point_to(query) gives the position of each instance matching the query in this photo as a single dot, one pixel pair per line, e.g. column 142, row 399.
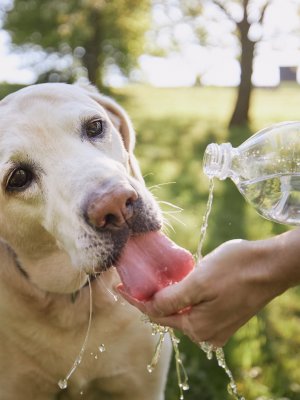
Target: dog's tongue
column 150, row 262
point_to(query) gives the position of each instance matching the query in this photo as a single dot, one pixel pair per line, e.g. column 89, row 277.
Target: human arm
column 228, row 287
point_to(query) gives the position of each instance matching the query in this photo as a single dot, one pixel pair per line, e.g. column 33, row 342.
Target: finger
column 183, row 323
column 174, row 321
column 175, row 298
column 219, row 341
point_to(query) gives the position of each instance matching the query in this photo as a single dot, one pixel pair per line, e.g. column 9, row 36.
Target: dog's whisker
column 149, row 174
column 79, row 282
column 171, row 212
column 179, row 209
column 171, row 215
column 167, row 226
column 167, row 230
column 159, row 185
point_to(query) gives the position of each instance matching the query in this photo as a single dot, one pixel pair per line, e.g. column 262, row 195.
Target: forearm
column 282, row 259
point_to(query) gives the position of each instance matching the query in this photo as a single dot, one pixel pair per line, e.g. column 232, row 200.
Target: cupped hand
column 225, row 290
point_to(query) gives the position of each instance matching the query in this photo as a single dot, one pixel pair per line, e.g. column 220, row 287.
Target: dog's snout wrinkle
column 111, row 209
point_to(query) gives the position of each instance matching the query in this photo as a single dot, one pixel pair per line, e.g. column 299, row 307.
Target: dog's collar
column 25, row 275
column 16, row 260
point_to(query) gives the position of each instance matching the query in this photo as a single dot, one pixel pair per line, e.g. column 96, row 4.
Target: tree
column 235, row 24
column 102, row 32
column 243, row 25
column 241, row 16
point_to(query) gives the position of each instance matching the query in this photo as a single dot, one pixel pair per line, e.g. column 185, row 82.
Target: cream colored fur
column 45, row 257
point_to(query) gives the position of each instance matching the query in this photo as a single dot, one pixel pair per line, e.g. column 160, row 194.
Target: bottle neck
column 217, row 160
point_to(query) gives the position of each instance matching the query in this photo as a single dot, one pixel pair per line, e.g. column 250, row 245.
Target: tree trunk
column 240, row 114
column 92, row 59
column 91, row 63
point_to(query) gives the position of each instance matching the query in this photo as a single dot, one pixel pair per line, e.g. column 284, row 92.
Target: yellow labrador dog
column 71, row 194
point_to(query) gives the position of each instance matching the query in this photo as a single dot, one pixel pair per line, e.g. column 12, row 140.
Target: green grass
column 174, row 126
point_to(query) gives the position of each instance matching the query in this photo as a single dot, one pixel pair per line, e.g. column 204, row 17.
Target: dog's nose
column 111, row 208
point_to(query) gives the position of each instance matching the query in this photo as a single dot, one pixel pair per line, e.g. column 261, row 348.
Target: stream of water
column 208, row 348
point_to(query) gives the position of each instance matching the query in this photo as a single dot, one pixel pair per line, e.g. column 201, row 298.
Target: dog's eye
column 94, row 129
column 19, row 179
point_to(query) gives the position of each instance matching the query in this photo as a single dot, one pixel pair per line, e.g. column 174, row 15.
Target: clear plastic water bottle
column 265, row 169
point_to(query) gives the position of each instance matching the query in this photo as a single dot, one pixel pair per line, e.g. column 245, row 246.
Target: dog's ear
column 121, row 121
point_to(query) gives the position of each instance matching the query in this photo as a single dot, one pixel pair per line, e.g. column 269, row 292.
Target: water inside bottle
column 275, row 197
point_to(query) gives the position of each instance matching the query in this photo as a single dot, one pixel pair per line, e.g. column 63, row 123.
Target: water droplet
column 81, row 393
column 96, row 357
column 63, row 384
column 149, row 368
column 78, row 360
column 221, row 363
column 185, row 386
column 102, row 348
column 229, row 389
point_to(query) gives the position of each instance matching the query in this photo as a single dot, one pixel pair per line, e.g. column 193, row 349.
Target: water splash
column 161, row 331
column 63, row 383
column 102, row 348
column 182, row 378
column 208, row 348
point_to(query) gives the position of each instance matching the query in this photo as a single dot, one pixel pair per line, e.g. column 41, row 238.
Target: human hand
column 225, row 290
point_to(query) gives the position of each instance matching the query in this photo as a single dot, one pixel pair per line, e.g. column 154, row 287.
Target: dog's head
column 71, row 189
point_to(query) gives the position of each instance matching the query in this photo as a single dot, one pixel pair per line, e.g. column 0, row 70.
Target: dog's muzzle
column 111, row 206
column 115, row 211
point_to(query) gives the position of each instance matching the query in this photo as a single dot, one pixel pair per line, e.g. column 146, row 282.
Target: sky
column 217, row 66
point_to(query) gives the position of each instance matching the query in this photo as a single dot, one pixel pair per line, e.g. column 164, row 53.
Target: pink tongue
column 150, row 262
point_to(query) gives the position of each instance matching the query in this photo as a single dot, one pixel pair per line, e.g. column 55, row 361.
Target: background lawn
column 174, row 126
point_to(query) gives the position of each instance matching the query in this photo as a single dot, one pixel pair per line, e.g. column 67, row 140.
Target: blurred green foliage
column 173, row 128
column 96, row 34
